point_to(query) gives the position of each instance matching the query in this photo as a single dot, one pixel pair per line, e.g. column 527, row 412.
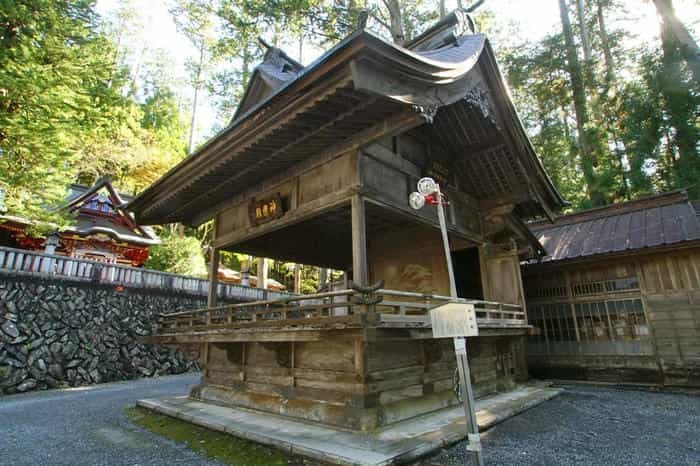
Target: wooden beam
column 281, row 150
column 213, row 277
column 359, row 241
column 402, row 121
column 244, row 135
column 308, row 210
column 452, row 229
column 231, row 337
column 497, row 204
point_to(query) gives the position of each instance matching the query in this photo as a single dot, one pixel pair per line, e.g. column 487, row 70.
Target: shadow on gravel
column 589, row 425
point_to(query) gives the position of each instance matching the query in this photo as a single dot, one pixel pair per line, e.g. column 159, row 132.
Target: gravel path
column 87, row 426
column 585, row 425
column 595, row 426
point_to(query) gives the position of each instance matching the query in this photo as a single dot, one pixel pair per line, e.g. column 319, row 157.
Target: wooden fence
column 393, row 308
column 21, row 262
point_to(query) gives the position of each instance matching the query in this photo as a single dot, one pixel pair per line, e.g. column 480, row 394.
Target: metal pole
column 446, row 244
column 474, row 456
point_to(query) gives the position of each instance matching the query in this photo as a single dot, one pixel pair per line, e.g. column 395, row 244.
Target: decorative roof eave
column 139, row 240
column 550, row 199
column 519, row 227
column 354, row 46
column 103, row 182
column 415, row 79
column 133, row 239
column 149, row 237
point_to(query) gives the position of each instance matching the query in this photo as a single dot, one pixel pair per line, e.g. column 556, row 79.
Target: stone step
column 400, row 442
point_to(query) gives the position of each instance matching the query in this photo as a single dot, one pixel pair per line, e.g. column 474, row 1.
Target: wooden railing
column 390, row 306
column 21, row 262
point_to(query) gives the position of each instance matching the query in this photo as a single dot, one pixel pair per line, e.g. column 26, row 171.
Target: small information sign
column 266, row 209
column 454, row 320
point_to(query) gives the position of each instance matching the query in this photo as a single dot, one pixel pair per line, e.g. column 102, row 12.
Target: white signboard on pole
column 454, row 320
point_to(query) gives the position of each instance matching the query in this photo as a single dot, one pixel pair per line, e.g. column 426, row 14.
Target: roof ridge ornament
column 362, row 18
column 264, row 43
column 272, row 54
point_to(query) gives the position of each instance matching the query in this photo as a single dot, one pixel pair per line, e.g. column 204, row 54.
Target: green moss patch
column 216, row 445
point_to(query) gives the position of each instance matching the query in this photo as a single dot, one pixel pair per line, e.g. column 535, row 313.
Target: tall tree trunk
column 683, row 139
column 301, row 45
column 588, row 158
column 443, row 11
column 585, row 41
column 197, row 83
column 609, row 105
column 688, row 47
column 247, row 58
column 137, row 70
column 605, row 44
column 395, row 21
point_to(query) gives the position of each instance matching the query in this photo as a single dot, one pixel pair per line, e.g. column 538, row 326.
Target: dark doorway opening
column 467, row 273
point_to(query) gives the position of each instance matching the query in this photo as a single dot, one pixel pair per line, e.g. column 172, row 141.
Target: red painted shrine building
column 102, row 229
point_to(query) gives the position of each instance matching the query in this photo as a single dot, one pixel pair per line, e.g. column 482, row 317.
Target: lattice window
column 554, row 321
column 592, row 321
column 627, row 319
column 605, row 320
column 622, row 284
column 608, row 286
column 546, row 292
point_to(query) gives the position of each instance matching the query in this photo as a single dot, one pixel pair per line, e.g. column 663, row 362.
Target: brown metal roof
column 654, row 221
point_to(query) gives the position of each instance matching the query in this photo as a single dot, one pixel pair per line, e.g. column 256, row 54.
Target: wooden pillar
column 262, row 273
column 572, row 305
column 297, row 278
column 322, row 278
column 213, row 277
column 245, row 271
column 359, row 241
column 484, row 271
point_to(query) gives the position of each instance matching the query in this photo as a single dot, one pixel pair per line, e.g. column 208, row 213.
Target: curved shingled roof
column 450, row 78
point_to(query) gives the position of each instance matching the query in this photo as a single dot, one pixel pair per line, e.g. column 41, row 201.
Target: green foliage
column 660, row 127
column 290, row 23
column 642, row 124
column 75, row 106
column 178, row 254
column 232, row 260
column 48, row 51
column 63, row 116
column 537, row 76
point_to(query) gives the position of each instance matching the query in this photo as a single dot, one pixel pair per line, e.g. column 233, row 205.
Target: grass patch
column 217, row 445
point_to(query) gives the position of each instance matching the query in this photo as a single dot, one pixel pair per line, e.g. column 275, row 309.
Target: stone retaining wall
column 55, row 333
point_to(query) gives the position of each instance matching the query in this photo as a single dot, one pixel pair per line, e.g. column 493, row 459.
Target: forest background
column 84, row 95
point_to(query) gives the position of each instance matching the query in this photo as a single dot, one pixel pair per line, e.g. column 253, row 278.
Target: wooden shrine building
column 316, row 168
column 101, row 229
column 617, row 298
